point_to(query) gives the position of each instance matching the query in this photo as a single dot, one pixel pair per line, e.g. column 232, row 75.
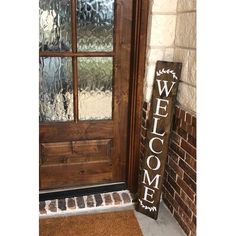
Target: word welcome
column 158, row 140
column 156, row 147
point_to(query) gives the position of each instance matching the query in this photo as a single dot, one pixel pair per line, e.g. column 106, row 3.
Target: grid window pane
column 55, row 89
column 95, row 88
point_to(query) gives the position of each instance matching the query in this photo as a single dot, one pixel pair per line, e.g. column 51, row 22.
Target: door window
column 76, row 60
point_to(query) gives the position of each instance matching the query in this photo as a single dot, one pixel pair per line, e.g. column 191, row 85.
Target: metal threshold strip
column 81, row 191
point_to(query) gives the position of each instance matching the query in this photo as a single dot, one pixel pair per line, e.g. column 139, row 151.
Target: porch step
column 86, row 204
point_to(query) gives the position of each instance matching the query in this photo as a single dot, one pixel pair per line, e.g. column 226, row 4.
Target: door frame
column 138, row 55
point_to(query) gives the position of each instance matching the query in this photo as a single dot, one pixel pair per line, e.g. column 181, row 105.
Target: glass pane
column 95, row 88
column 55, row 89
column 54, row 25
column 95, row 25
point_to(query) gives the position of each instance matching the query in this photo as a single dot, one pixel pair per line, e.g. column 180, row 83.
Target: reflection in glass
column 54, row 25
column 95, row 88
column 95, row 25
column 55, row 89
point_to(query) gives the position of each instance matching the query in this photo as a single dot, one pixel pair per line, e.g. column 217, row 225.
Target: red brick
column 186, row 188
column 185, row 217
column 182, row 133
column 53, row 206
column 173, row 184
column 188, row 118
column 187, row 169
column 192, row 234
column 171, row 200
column 194, row 220
column 191, row 140
column 181, row 223
column 172, row 155
column 184, row 126
column 193, row 132
column 98, row 199
column 107, row 198
column 191, row 161
column 194, row 121
column 176, row 124
column 125, row 197
column 90, row 201
column 189, row 129
column 71, row 203
column 177, row 150
column 176, row 168
column 171, row 172
column 169, row 188
column 168, row 204
column 188, row 148
column 188, row 202
column 175, row 137
column 177, row 112
column 182, row 114
column 189, row 182
column 117, row 198
column 80, row 202
column 183, row 206
column 42, row 209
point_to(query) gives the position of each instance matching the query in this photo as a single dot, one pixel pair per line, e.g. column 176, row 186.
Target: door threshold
column 81, row 191
column 93, row 203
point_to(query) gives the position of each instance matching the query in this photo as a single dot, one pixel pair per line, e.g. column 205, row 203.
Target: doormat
column 122, row 223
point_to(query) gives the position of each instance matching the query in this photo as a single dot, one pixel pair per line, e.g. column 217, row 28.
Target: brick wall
column 179, row 188
column 172, row 37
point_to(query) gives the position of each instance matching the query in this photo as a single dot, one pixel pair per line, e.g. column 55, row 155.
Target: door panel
column 90, row 146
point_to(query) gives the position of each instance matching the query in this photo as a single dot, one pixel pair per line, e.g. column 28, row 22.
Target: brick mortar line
column 189, row 144
column 187, row 206
column 189, row 167
column 183, row 161
column 181, row 107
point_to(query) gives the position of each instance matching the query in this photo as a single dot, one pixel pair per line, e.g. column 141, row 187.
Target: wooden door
column 84, row 82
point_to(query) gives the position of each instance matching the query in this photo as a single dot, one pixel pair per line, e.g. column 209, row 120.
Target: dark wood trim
column 74, row 59
column 73, row 25
column 75, row 54
column 141, row 10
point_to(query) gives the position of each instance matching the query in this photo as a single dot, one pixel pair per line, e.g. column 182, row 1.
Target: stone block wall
column 172, row 37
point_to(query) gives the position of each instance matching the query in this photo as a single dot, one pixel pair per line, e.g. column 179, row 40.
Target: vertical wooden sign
column 165, row 88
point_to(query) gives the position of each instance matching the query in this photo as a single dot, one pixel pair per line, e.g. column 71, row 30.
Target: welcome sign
column 158, row 131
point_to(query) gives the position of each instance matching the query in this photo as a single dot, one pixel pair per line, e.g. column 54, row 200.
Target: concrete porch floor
column 166, row 225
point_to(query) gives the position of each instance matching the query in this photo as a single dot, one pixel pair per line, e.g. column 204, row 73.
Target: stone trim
column 79, row 204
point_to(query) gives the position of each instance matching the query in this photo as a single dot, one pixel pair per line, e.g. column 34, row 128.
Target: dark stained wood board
column 165, row 88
